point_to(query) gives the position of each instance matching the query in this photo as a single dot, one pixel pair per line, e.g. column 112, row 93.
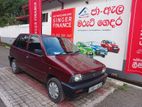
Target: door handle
column 27, row 57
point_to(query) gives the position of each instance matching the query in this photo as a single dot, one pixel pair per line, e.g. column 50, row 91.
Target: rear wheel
column 116, row 51
column 15, row 68
column 97, row 52
column 103, row 56
column 55, row 90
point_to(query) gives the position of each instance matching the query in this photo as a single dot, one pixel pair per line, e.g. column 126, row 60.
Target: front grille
column 91, row 75
column 115, row 47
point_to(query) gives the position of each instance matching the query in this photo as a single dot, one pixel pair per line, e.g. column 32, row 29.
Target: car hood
column 88, row 48
column 78, row 63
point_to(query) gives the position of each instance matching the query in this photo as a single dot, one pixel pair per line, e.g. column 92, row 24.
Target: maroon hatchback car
column 57, row 63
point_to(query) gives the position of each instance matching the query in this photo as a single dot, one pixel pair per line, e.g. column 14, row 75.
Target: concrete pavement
column 2, row 104
column 123, row 97
column 20, row 91
column 3, row 62
column 4, row 52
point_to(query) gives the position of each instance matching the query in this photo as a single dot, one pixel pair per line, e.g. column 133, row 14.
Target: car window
column 21, row 41
column 103, row 41
column 83, row 45
column 34, row 45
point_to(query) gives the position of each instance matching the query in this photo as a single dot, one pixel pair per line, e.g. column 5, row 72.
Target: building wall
column 55, row 5
column 8, row 33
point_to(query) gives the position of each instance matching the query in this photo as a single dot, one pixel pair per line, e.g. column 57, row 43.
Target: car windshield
column 110, row 42
column 95, row 43
column 83, row 45
column 58, row 46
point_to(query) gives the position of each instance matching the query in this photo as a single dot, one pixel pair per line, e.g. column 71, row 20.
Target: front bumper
column 116, row 50
column 73, row 89
column 101, row 53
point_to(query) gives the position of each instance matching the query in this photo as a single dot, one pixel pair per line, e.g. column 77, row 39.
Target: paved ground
column 3, row 62
column 127, row 97
column 1, row 103
column 19, row 91
column 4, row 56
column 23, row 91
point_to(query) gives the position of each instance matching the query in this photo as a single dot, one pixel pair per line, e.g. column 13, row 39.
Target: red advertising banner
column 35, row 19
column 134, row 55
column 63, row 23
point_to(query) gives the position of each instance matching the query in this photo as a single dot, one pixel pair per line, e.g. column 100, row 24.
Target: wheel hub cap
column 13, row 66
column 53, row 90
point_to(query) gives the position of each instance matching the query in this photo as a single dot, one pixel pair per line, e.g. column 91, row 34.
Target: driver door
column 36, row 59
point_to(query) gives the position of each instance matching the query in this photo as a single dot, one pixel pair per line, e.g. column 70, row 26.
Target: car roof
column 42, row 35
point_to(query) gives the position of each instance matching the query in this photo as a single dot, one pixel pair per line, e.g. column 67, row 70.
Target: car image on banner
column 98, row 50
column 84, row 49
column 91, row 49
column 110, row 45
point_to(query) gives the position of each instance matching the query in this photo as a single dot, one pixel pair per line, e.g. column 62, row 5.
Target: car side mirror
column 38, row 51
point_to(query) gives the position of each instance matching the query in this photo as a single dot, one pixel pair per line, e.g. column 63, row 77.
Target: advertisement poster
column 134, row 55
column 101, row 29
column 63, row 23
column 35, row 12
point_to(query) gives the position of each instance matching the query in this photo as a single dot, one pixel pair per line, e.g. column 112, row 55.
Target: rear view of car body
column 84, row 49
column 100, row 51
column 97, row 49
column 111, row 46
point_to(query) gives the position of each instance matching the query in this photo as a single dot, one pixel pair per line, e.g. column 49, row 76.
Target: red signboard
column 35, row 12
column 134, row 55
column 63, row 23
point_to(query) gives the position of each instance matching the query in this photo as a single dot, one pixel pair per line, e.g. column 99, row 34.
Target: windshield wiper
column 73, row 52
column 77, row 52
column 62, row 53
column 69, row 52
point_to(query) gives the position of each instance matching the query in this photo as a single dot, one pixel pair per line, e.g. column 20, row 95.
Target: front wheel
column 103, row 56
column 97, row 52
column 15, row 68
column 55, row 91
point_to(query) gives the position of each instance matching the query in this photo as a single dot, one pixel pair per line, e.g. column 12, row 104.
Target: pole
column 35, row 17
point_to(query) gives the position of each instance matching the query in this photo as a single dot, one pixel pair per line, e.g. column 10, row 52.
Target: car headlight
column 103, row 70
column 77, row 78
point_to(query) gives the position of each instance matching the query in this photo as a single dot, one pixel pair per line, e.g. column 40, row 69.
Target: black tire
column 117, row 52
column 97, row 53
column 103, row 56
column 61, row 95
column 89, row 55
column 15, row 68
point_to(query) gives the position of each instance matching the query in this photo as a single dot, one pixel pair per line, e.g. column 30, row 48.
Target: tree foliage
column 9, row 9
